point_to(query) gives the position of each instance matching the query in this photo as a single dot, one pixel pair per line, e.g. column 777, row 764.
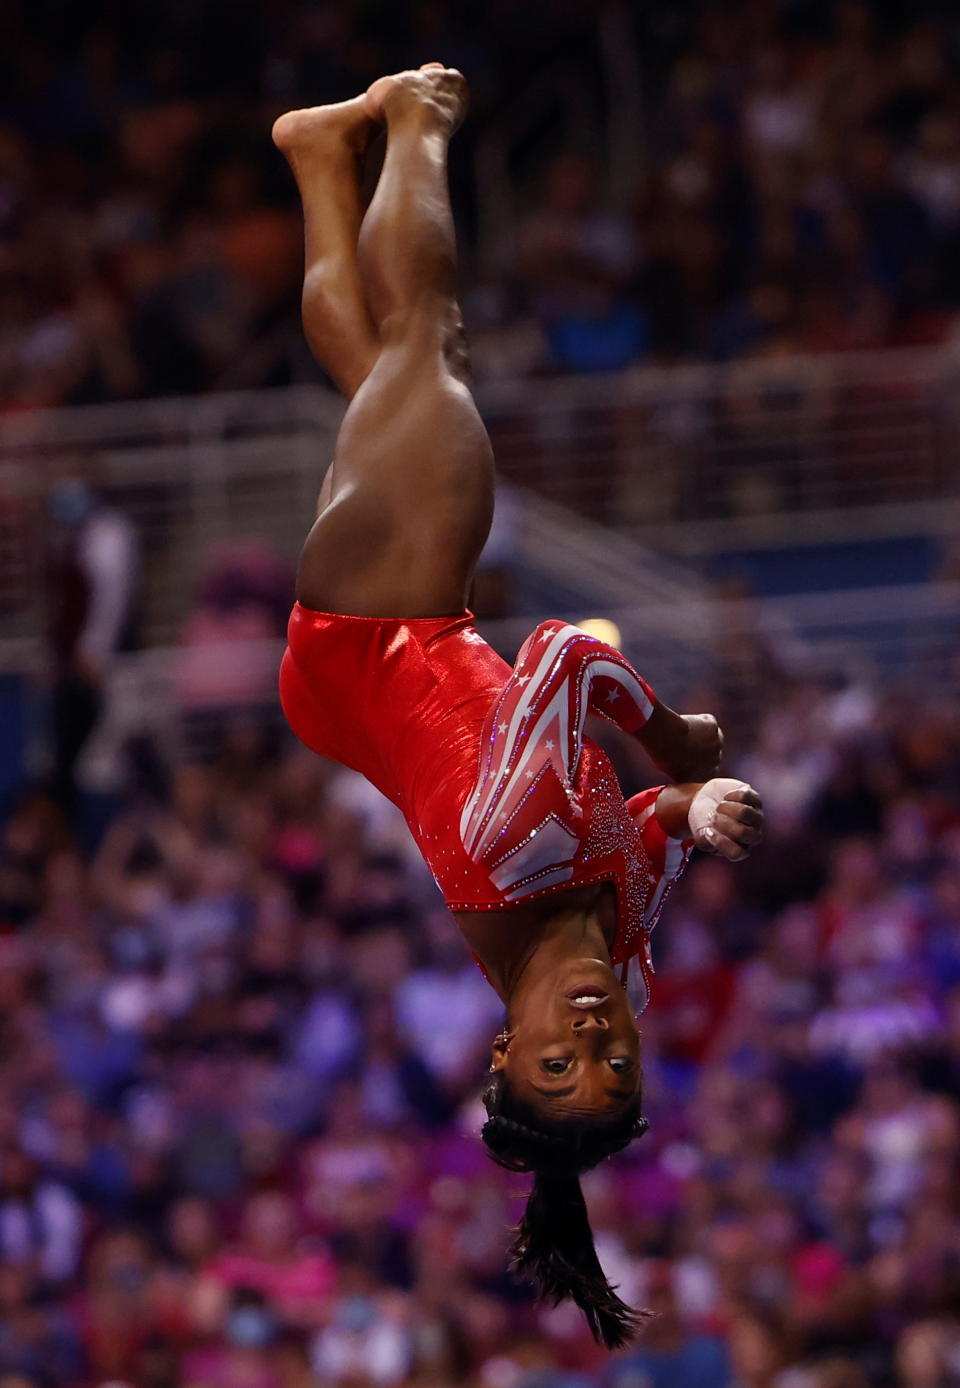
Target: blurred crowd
column 793, row 182
column 241, row 1047
column 241, row 1043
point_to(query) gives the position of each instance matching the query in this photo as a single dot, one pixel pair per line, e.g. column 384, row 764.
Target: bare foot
column 440, row 90
column 345, row 128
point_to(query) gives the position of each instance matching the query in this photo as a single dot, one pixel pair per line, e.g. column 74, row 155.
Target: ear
column 501, row 1045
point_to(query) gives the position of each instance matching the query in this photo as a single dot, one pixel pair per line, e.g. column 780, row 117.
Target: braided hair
column 553, row 1243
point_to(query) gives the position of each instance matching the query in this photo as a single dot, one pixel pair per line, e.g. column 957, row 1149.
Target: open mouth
column 586, row 997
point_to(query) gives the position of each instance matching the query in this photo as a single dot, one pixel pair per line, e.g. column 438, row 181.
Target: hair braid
column 553, row 1244
column 554, row 1248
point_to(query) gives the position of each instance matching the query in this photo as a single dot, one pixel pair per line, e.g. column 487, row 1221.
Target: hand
column 687, row 747
column 736, row 828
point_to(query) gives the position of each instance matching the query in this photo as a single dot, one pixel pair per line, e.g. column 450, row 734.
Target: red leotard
column 505, row 796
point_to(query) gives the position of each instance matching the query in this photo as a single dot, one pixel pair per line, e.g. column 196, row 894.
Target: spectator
column 240, row 1048
column 573, row 256
column 239, row 1127
column 270, row 1260
column 797, row 183
column 670, row 1356
column 41, row 1224
column 92, row 585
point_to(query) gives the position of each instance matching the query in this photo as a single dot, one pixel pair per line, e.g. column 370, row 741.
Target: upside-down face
column 572, row 1049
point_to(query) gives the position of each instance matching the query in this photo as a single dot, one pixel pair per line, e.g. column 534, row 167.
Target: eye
column 555, row 1065
column 619, row 1064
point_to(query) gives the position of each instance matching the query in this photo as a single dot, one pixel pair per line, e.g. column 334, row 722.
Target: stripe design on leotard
column 534, row 732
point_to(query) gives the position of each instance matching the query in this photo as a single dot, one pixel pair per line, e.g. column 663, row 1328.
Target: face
column 572, row 1047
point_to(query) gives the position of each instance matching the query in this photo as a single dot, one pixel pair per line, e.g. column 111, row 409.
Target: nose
column 590, row 1022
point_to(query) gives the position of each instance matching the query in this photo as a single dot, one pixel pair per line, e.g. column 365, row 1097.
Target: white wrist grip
column 703, row 806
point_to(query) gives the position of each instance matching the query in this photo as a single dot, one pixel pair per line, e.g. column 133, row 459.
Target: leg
column 325, row 147
column 77, row 706
column 411, row 489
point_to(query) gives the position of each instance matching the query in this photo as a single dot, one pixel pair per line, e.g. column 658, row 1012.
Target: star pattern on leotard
column 556, row 822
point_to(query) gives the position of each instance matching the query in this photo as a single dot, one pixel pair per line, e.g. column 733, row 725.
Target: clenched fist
column 726, row 819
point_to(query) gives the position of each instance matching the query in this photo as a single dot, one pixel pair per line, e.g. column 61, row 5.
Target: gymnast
column 553, row 877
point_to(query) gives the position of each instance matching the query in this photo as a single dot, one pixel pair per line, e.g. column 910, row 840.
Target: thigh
column 409, row 496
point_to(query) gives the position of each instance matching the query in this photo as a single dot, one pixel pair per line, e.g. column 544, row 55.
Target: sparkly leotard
column 506, row 797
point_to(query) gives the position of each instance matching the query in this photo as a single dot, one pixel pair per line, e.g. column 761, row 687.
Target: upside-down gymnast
column 554, row 879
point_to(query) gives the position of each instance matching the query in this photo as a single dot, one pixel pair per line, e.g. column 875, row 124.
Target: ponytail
column 553, row 1245
column 554, row 1249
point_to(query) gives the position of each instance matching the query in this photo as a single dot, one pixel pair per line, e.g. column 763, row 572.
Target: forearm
column 684, row 746
column 108, row 559
column 673, row 809
column 662, row 737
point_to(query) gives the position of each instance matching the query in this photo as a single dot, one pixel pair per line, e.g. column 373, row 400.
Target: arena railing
column 909, row 643
column 196, row 475
column 618, row 472
column 695, row 458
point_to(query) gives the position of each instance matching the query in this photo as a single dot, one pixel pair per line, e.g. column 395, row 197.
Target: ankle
column 408, row 112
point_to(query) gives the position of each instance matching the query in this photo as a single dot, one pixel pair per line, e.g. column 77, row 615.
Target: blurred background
column 711, row 269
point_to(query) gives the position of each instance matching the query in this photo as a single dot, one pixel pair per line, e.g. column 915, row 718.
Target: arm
column 108, row 557
column 727, row 818
column 687, row 747
column 720, row 816
column 684, row 746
